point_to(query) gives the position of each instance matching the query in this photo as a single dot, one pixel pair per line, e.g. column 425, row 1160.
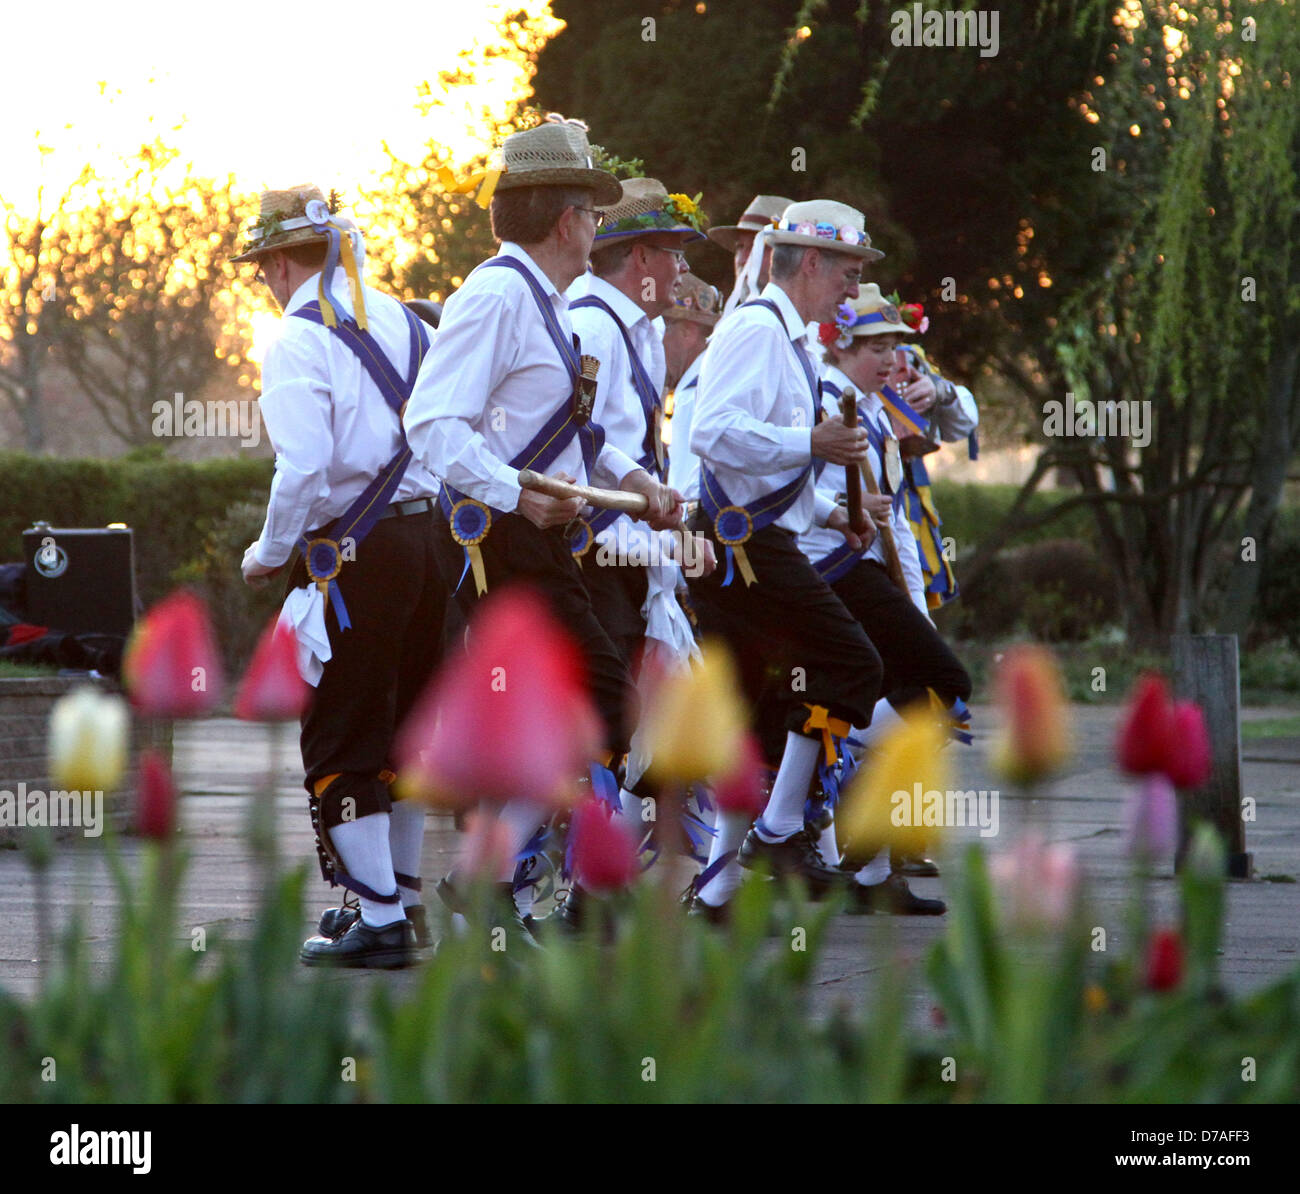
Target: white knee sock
column 876, row 871
column 406, row 844
column 522, row 819
column 884, row 717
column 828, row 846
column 363, row 846
column 784, row 812
column 732, row 828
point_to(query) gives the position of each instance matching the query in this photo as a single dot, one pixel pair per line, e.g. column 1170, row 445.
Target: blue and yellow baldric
column 653, row 458
column 470, row 519
column 936, row 568
column 733, row 525
column 324, row 554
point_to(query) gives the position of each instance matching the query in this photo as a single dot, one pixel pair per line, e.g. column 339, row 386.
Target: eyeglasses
column 680, row 254
column 598, row 216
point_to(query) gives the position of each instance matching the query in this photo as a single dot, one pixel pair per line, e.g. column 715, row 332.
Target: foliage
column 169, row 505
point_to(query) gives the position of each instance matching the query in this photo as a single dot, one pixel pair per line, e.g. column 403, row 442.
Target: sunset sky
column 275, row 93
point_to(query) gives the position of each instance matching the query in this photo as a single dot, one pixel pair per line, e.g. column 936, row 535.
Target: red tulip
column 1190, row 762
column 603, row 855
column 508, row 719
column 1035, row 737
column 486, row 849
column 1164, row 960
column 171, row 666
column 1146, row 740
column 156, row 809
column 272, row 689
column 741, row 789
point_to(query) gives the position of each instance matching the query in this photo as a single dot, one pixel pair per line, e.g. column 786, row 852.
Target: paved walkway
column 219, row 761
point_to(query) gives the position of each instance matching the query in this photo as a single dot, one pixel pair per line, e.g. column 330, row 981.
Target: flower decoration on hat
column 912, row 314
column 687, row 210
column 839, row 333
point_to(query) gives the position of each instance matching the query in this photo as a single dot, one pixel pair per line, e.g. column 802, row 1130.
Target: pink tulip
column 1039, row 882
column 156, row 808
column 486, row 850
column 1035, row 738
column 1190, row 762
column 171, row 666
column 272, row 689
column 1146, row 739
column 508, row 719
column 741, row 789
column 1151, row 817
column 603, row 855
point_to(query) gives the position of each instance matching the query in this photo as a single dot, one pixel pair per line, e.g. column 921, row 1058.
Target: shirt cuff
column 823, row 507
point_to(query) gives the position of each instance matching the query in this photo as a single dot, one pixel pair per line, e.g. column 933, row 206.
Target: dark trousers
column 395, row 597
column 518, row 552
column 914, row 656
column 794, row 641
column 618, row 591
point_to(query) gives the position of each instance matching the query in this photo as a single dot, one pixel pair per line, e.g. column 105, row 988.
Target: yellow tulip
column 695, row 720
column 87, row 743
column 1034, row 739
column 899, row 796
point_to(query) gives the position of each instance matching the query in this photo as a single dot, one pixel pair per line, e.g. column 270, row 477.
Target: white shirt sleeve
column 297, row 410
column 471, row 353
column 735, row 398
column 958, row 420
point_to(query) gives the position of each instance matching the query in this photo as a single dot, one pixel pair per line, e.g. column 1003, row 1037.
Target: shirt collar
column 838, row 378
column 510, row 249
column 623, row 307
column 307, row 292
column 794, row 324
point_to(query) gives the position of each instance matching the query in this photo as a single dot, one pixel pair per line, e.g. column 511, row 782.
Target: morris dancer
column 690, row 319
column 859, row 352
column 738, row 240
column 502, row 389
column 347, row 494
column 757, row 434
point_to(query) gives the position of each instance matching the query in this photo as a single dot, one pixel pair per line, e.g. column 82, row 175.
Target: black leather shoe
column 389, row 948
column 334, row 922
column 916, row 866
column 719, row 914
column 893, row 895
column 501, row 911
column 796, row 855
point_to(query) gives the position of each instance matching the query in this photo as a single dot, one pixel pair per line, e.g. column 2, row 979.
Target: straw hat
column 762, row 210
column 285, row 219
column 555, row 154
column 646, row 207
column 694, row 301
column 825, row 224
column 870, row 314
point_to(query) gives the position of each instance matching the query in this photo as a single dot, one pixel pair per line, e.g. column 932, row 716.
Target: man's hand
column 694, row 554
column 877, row 507
column 834, row 441
column 256, row 576
column 839, row 521
column 545, row 511
column 666, row 506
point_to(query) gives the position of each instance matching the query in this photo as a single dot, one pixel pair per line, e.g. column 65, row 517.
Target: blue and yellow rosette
column 324, row 561
column 582, row 538
column 470, row 523
column 733, row 526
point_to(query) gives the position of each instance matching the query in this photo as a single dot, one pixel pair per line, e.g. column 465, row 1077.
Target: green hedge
column 171, row 505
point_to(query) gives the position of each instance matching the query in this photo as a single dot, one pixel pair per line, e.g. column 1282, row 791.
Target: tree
column 142, row 277
column 33, row 253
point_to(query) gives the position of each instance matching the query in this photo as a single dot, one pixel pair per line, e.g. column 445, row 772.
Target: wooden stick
column 852, row 482
column 892, row 563
column 610, row 499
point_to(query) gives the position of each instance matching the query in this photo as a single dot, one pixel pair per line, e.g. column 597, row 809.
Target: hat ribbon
column 483, row 181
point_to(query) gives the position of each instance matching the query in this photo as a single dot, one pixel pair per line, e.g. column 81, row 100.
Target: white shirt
column 683, row 464
column 754, row 410
column 491, row 381
column 618, row 407
column 819, row 542
column 331, row 428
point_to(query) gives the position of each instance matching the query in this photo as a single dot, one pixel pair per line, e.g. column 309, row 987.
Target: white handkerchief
column 304, row 610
